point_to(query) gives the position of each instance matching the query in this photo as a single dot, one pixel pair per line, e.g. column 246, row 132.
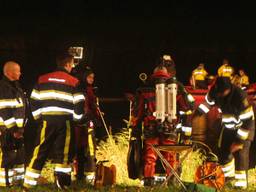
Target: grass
column 115, row 150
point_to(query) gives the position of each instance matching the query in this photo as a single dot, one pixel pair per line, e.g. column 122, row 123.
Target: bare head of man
column 12, row 70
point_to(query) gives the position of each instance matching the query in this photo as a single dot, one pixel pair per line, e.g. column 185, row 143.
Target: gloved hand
column 18, row 134
column 236, row 147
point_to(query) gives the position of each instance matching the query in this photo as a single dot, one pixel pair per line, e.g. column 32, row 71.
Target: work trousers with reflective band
column 11, row 166
column 150, row 157
column 238, row 161
column 85, row 161
column 56, row 136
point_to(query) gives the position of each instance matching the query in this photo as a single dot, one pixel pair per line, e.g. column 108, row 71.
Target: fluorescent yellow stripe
column 1, row 157
column 90, row 142
column 241, row 172
column 36, row 150
column 62, row 165
column 55, row 91
column 67, row 143
column 56, row 113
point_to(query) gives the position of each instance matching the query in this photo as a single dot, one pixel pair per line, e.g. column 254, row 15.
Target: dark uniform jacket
column 57, row 94
column 12, row 105
column 237, row 112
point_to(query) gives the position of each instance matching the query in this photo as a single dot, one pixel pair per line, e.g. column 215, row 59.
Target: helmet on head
column 161, row 72
column 168, row 62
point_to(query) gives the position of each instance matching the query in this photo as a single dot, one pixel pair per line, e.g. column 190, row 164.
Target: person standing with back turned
column 56, row 102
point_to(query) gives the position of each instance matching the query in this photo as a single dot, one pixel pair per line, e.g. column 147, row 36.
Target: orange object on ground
column 211, row 175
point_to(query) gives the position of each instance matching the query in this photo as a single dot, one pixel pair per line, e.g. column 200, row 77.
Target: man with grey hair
column 12, row 118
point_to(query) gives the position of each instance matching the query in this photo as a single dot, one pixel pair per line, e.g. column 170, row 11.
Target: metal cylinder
column 171, row 94
column 160, row 102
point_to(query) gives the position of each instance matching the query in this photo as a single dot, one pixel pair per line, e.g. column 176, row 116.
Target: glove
column 17, row 132
column 236, row 147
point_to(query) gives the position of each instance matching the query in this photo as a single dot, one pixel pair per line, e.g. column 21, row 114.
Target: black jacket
column 12, row 104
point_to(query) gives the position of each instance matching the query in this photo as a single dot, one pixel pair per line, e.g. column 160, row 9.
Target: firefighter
column 199, row 77
column 237, row 129
column 243, row 79
column 144, row 109
column 85, row 162
column 12, row 118
column 225, row 70
column 56, row 102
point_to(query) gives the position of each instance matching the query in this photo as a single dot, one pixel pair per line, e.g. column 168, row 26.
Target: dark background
column 124, row 38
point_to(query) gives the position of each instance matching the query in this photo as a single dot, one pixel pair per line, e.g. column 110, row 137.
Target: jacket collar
column 62, row 69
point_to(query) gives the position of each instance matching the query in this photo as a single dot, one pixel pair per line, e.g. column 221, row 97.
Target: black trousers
column 11, row 159
column 85, row 151
column 57, row 135
column 241, row 157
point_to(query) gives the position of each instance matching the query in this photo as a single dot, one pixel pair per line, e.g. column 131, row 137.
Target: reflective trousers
column 11, row 166
column 56, row 135
column 85, row 160
column 236, row 164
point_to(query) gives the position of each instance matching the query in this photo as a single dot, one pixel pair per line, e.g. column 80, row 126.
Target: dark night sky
column 124, row 38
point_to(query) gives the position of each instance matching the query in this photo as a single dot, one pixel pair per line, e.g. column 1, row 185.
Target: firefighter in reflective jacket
column 237, row 128
column 143, row 113
column 199, row 77
column 55, row 103
column 243, row 79
column 225, row 70
column 12, row 117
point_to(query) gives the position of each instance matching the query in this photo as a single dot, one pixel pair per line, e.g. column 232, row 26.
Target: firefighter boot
column 149, row 181
column 62, row 180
